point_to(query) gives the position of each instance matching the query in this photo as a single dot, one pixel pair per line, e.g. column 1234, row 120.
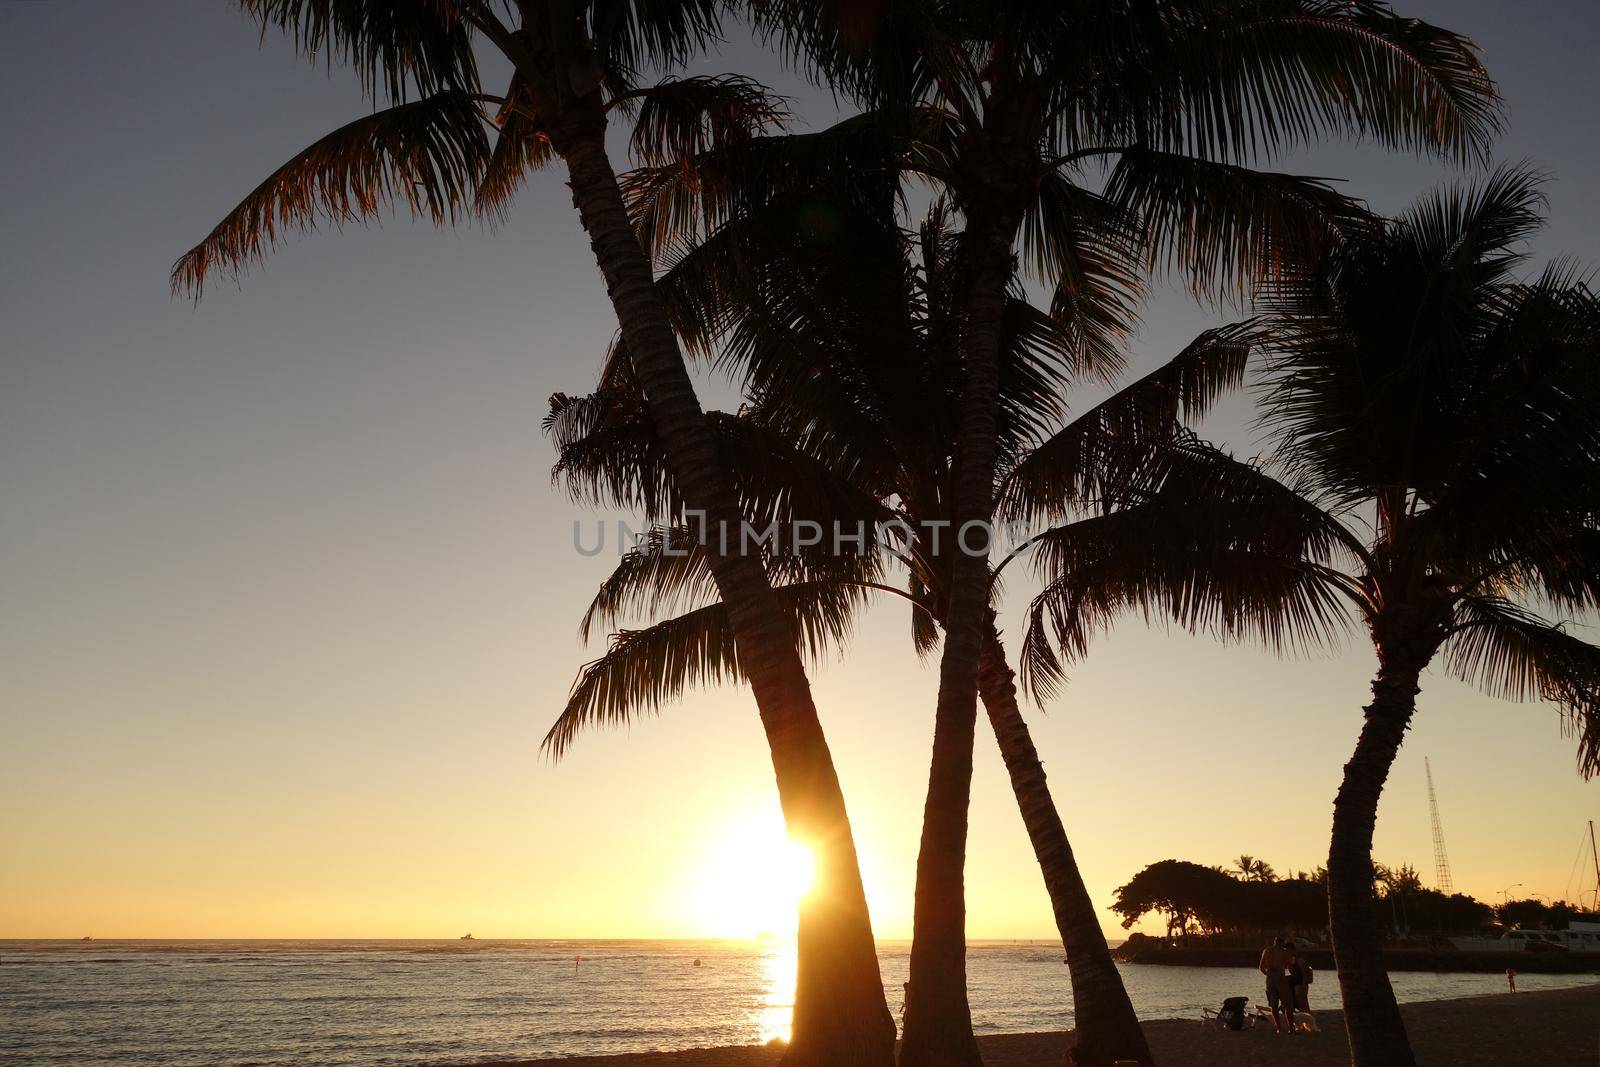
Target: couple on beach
column 1288, row 980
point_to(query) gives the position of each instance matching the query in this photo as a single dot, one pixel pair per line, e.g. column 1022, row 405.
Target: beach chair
column 1231, row 1016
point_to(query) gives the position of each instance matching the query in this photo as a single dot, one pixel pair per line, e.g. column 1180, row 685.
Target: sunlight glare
column 774, row 1017
column 749, row 879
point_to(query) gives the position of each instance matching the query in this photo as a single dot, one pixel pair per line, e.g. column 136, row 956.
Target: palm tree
column 1438, row 478
column 436, row 148
column 1251, row 869
column 1009, row 108
column 852, row 378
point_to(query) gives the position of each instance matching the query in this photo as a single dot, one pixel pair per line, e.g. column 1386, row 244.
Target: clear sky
column 287, row 600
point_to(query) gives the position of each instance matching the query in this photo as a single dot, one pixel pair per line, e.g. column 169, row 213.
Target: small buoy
column 697, row 963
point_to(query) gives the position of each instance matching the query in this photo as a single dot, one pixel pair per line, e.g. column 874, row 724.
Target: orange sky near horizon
column 287, row 601
column 439, row 831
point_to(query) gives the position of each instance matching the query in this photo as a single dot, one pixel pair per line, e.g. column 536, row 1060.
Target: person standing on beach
column 1299, row 980
column 1511, row 980
column 1276, row 962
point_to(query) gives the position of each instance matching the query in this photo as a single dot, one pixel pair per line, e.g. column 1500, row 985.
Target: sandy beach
column 1557, row 1027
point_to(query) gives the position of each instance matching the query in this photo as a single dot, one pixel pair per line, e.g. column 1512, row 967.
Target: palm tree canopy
column 851, row 375
column 1252, row 869
column 1156, row 114
column 441, row 145
column 1435, row 464
column 1196, row 77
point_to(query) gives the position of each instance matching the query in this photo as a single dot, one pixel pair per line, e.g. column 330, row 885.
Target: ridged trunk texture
column 841, row 1018
column 1107, row 1028
column 1371, row 1014
column 938, row 1029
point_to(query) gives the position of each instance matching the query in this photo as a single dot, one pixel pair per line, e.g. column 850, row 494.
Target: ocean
column 336, row 1003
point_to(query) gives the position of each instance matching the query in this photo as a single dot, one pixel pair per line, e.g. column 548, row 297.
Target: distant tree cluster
column 1250, row 898
column 1211, row 900
column 1537, row 915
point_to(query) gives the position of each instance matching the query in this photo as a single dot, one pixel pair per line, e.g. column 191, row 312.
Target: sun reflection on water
column 776, row 1011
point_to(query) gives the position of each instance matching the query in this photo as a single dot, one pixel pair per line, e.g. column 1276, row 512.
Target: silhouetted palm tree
column 1251, row 869
column 852, row 376
column 1010, row 107
column 1435, row 433
column 434, row 148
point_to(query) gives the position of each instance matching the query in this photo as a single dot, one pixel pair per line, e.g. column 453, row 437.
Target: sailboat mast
column 1596, row 857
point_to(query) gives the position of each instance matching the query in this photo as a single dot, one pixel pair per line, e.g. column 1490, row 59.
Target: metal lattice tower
column 1441, row 860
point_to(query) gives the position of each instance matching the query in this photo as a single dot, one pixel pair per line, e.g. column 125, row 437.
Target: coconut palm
column 1251, row 869
column 1435, row 473
column 446, row 149
column 852, row 378
column 1018, row 111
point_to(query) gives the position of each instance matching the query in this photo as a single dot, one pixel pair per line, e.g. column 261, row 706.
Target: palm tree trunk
column 840, row 1015
column 938, row 1029
column 1371, row 1015
column 1107, row 1029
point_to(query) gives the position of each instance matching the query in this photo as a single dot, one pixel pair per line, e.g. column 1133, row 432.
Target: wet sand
column 1554, row 1027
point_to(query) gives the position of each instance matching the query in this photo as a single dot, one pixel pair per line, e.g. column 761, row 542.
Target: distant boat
column 85, row 939
column 1577, row 937
column 466, row 937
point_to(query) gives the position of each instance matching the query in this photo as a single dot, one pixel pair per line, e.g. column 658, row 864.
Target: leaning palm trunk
column 840, row 1015
column 1372, row 1016
column 938, row 1018
column 1107, row 1029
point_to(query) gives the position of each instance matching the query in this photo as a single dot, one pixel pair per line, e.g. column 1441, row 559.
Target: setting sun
column 748, row 879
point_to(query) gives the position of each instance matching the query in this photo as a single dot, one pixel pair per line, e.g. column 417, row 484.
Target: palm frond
column 1197, row 479
column 608, row 451
column 1256, row 77
column 1088, row 249
column 875, row 54
column 924, row 627
column 681, row 117
column 1520, row 480
column 778, row 483
column 390, row 46
column 1509, row 652
column 666, row 573
column 1103, row 446
column 1182, row 564
column 1476, row 229
column 1564, row 571
column 643, row 669
column 759, row 255
column 859, row 159
column 1389, row 359
column 628, row 36
column 428, row 154
column 1226, row 227
column 1040, row 358
column 519, row 150
column 668, row 570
